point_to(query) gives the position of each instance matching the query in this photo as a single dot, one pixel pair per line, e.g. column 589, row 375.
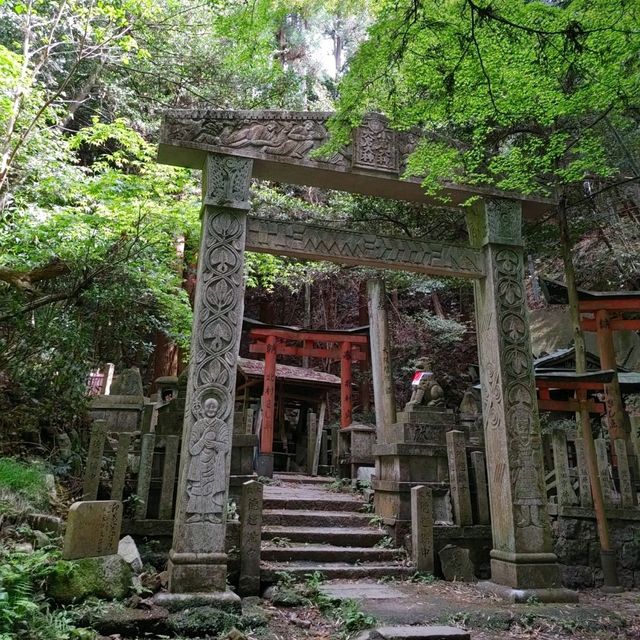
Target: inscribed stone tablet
column 93, row 529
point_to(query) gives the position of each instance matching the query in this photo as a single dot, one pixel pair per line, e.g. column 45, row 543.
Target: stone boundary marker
column 93, row 529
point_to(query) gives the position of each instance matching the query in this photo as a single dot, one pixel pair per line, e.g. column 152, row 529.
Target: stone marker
column 422, row 528
column 250, row 537
column 480, row 478
column 91, row 481
column 627, row 491
column 459, row 478
column 93, row 529
column 456, row 564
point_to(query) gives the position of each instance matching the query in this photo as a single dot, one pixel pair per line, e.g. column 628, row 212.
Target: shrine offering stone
column 456, row 564
column 93, row 529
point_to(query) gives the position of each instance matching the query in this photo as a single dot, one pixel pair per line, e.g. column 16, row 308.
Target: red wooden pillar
column 268, row 408
column 613, row 396
column 346, row 401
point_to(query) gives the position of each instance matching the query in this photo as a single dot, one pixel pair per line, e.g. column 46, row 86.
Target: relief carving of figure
column 206, row 477
column 426, row 389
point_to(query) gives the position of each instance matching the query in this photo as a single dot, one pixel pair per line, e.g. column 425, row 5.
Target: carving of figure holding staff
column 206, row 478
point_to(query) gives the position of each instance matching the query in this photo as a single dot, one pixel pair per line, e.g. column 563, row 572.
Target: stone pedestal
column 522, row 557
column 416, row 455
column 197, row 561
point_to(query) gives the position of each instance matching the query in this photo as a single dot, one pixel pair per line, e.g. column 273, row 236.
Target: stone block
column 128, row 551
column 456, row 564
column 93, row 529
column 106, row 577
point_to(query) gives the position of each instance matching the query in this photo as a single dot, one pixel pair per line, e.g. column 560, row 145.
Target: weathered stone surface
column 201, row 621
column 197, row 561
column 422, row 528
column 127, row 383
column 456, row 564
column 250, row 537
column 283, row 142
column 519, row 518
column 459, row 478
column 128, row 551
column 313, row 242
column 107, row 577
column 91, row 479
column 418, row 632
column 93, row 529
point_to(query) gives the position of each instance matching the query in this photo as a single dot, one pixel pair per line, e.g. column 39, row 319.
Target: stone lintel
column 314, row 242
column 282, row 145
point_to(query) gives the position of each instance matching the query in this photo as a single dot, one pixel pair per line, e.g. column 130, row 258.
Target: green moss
column 27, row 480
column 108, row 577
column 203, row 620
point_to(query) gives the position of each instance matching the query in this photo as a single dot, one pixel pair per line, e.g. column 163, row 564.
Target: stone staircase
column 306, row 528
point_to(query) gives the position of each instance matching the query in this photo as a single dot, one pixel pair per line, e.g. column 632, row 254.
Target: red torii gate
column 603, row 312
column 346, row 346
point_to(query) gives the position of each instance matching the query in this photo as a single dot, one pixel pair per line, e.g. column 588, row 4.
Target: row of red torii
column 231, row 148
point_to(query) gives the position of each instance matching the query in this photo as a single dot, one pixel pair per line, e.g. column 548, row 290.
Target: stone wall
column 578, row 550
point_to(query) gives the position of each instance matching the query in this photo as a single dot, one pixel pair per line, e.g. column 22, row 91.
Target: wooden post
column 615, row 408
column 383, row 390
column 346, row 401
column 265, row 461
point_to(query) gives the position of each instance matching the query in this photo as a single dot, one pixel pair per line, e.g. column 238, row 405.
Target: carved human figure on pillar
column 426, row 389
column 206, row 478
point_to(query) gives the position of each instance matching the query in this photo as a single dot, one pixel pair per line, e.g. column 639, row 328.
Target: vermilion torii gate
column 231, row 147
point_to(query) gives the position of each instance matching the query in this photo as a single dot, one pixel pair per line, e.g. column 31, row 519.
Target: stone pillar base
column 264, row 465
column 187, row 575
column 227, row 600
column 527, row 596
column 525, row 570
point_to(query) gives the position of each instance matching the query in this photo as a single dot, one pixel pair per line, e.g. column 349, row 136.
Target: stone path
column 307, row 528
column 597, row 617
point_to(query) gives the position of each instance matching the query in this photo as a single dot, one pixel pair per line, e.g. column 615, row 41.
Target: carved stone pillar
column 197, row 560
column 522, row 559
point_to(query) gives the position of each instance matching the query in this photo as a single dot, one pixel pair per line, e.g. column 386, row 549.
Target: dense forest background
column 98, row 243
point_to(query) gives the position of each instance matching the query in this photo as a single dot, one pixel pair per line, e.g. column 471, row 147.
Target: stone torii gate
column 231, row 147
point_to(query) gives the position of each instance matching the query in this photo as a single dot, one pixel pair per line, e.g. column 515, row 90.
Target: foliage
column 24, row 611
column 519, row 95
column 25, row 479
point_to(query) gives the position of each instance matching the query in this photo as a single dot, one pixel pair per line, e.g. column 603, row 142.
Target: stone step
column 427, row 632
column 339, row 536
column 328, row 553
column 334, row 570
column 333, row 502
column 296, row 478
column 302, row 518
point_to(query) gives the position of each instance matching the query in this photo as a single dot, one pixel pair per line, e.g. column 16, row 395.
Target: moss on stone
column 106, row 577
column 203, row 621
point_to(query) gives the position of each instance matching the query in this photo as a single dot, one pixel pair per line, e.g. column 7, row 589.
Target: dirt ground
column 597, row 616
